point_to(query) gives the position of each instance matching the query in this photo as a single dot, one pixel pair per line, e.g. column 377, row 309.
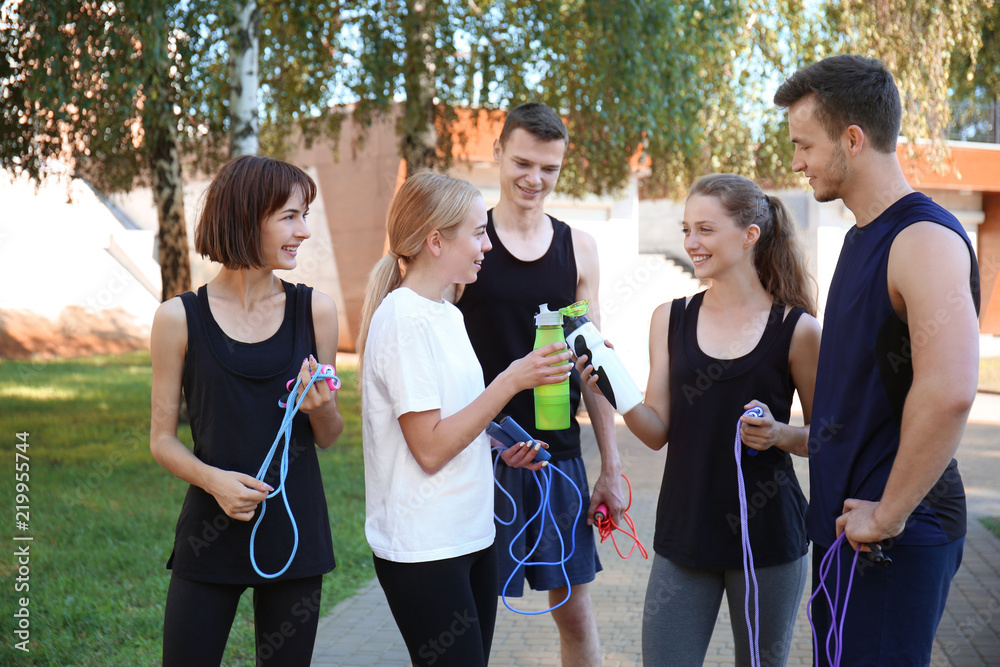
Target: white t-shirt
column 418, row 357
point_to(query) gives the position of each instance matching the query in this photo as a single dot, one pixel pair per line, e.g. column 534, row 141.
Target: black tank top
column 698, row 515
column 499, row 310
column 232, row 391
column 863, row 379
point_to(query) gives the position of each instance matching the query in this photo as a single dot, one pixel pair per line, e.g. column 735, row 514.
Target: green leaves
column 679, row 88
column 918, row 41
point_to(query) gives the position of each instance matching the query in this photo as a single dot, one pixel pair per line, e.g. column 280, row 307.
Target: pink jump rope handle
column 333, row 383
column 601, row 513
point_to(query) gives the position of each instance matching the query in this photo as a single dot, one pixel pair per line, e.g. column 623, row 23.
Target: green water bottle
column 551, row 400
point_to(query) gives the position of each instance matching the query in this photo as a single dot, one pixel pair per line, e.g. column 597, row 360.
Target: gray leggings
column 682, row 605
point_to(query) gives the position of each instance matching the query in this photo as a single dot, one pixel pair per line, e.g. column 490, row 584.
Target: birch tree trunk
column 168, row 193
column 244, row 48
column 418, row 134
column 160, row 125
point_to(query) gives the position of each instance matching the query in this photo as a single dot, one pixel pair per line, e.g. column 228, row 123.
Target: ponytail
column 780, row 260
column 384, row 277
column 778, row 256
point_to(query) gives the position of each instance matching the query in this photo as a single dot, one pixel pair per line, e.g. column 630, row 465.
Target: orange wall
column 968, row 167
column 989, row 265
column 357, row 185
column 977, row 169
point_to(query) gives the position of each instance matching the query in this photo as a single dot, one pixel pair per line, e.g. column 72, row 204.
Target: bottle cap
column 548, row 318
column 575, row 309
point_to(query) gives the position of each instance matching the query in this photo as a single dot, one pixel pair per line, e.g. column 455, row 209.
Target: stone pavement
column 360, row 632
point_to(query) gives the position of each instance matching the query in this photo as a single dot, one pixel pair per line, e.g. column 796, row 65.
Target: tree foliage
column 121, row 89
column 918, row 41
column 680, row 85
column 298, row 66
column 975, row 80
column 93, row 84
column 79, row 79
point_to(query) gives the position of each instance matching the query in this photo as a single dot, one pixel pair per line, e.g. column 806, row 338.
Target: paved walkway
column 360, row 632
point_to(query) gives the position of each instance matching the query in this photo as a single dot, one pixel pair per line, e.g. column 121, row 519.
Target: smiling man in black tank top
column 537, row 259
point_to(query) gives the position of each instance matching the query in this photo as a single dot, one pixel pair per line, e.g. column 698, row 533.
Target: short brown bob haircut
column 246, row 191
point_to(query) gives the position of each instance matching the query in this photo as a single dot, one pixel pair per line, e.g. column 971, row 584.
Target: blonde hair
column 426, row 202
column 777, row 256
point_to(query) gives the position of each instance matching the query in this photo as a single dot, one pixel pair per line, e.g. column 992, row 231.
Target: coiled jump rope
column 508, row 433
column 834, row 644
column 606, row 525
column 291, row 406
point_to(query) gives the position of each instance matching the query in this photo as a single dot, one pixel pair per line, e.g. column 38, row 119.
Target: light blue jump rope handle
column 755, row 411
column 285, row 430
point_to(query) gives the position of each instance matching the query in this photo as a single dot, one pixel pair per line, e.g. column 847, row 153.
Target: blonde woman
column 428, row 470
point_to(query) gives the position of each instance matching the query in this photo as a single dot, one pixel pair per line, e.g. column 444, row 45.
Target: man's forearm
column 602, row 419
column 932, row 426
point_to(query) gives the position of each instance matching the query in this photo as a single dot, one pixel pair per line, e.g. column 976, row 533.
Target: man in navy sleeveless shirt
column 537, row 259
column 897, row 369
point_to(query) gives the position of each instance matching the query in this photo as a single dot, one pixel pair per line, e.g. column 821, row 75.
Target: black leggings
column 199, row 616
column 445, row 609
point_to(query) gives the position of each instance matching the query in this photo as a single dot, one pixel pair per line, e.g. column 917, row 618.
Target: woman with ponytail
column 428, row 470
column 750, row 339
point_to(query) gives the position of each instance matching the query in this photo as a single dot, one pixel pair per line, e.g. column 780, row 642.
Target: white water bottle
column 612, row 379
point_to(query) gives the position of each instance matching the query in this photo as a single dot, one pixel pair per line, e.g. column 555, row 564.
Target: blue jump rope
column 508, row 433
column 291, row 406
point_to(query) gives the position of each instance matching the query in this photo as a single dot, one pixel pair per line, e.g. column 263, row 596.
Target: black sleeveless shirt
column 232, row 391
column 863, row 379
column 698, row 515
column 499, row 310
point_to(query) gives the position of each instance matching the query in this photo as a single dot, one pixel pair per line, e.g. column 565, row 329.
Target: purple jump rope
column 753, row 629
column 834, row 644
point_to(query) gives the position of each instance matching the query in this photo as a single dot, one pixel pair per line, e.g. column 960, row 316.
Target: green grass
column 102, row 514
column 992, row 523
column 989, row 373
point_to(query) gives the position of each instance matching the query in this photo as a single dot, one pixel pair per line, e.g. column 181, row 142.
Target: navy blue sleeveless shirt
column 499, row 310
column 232, row 391
column 864, row 374
column 698, row 513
